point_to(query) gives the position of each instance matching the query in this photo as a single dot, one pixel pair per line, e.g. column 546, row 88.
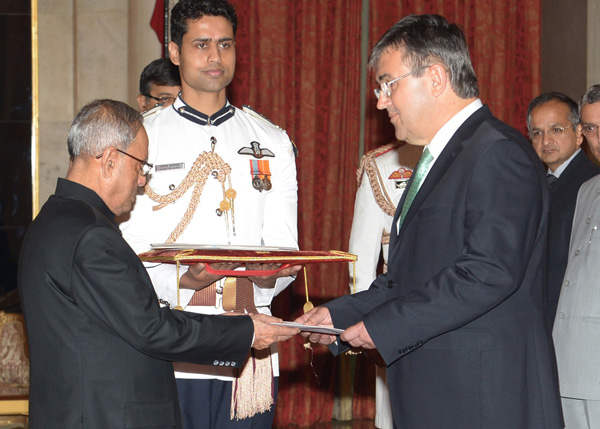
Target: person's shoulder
column 267, row 126
column 590, row 187
column 258, row 118
column 386, row 154
column 154, row 115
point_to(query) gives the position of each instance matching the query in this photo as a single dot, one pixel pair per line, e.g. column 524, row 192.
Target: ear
column 142, row 103
column 174, row 53
column 108, row 162
column 579, row 134
column 439, row 79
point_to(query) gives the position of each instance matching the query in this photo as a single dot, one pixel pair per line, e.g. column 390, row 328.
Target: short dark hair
column 427, row 39
column 102, row 124
column 196, row 9
column 554, row 96
column 591, row 96
column 160, row 72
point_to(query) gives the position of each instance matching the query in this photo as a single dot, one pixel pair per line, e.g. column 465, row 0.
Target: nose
column 142, row 181
column 214, row 55
column 546, row 138
column 383, row 101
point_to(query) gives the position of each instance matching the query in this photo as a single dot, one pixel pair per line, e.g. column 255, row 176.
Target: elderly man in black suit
column 100, row 345
column 555, row 133
column 459, row 318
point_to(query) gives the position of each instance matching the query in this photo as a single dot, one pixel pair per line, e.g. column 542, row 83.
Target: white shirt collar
column 562, row 167
column 443, row 136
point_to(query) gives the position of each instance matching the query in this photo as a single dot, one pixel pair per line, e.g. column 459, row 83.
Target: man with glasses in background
column 459, row 318
column 555, row 133
column 577, row 325
column 159, row 85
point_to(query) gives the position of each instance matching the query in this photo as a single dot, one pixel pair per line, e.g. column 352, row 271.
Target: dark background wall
column 15, row 141
column 564, row 47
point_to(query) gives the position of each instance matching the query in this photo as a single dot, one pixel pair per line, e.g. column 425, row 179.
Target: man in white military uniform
column 382, row 177
column 222, row 176
column 577, row 325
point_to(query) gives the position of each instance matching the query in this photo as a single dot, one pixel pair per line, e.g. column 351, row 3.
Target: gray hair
column 102, row 124
column 428, row 39
column 554, row 96
column 591, row 96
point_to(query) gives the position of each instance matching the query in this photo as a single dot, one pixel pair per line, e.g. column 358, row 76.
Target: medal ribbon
column 260, row 168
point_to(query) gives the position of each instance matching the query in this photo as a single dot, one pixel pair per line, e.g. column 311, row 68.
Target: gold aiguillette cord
column 178, row 306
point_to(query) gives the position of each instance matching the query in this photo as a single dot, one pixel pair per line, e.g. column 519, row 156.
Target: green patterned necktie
column 420, row 171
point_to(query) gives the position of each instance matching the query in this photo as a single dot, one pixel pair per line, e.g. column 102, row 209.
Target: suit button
column 390, row 284
column 216, row 362
column 233, row 363
column 221, row 363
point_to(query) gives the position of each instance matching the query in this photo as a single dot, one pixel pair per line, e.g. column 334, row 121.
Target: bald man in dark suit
column 555, row 133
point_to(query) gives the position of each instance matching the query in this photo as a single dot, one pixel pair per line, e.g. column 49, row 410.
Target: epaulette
column 249, row 110
column 368, row 157
column 152, row 111
column 368, row 166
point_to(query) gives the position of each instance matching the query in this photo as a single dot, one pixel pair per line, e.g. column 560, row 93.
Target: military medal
column 267, row 183
column 257, row 183
column 264, row 168
column 261, row 174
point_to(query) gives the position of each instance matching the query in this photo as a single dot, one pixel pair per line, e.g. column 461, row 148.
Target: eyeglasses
column 537, row 135
column 163, row 99
column 590, row 130
column 144, row 169
column 385, row 86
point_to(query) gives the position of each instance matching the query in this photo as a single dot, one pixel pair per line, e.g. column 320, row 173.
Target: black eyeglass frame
column 144, row 169
column 162, row 99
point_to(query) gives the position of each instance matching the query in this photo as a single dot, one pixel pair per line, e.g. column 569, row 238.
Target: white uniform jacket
column 177, row 136
column 380, row 173
column 577, row 325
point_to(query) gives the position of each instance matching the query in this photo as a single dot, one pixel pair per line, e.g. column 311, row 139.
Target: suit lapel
column 455, row 145
column 558, row 186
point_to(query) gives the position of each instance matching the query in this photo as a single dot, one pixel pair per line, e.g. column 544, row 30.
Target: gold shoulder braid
column 369, row 166
column 206, row 164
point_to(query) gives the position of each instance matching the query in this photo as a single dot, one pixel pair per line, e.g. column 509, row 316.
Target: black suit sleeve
column 111, row 287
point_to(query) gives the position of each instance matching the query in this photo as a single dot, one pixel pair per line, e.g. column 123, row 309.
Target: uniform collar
column 186, row 111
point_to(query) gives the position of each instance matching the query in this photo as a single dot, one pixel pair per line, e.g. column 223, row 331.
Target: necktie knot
column 420, row 172
column 551, row 178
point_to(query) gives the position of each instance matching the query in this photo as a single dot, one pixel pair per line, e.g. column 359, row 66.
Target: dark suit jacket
column 563, row 196
column 100, row 345
column 460, row 316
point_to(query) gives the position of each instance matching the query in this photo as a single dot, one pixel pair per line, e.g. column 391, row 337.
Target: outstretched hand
column 265, row 333
column 318, row 316
column 358, row 336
